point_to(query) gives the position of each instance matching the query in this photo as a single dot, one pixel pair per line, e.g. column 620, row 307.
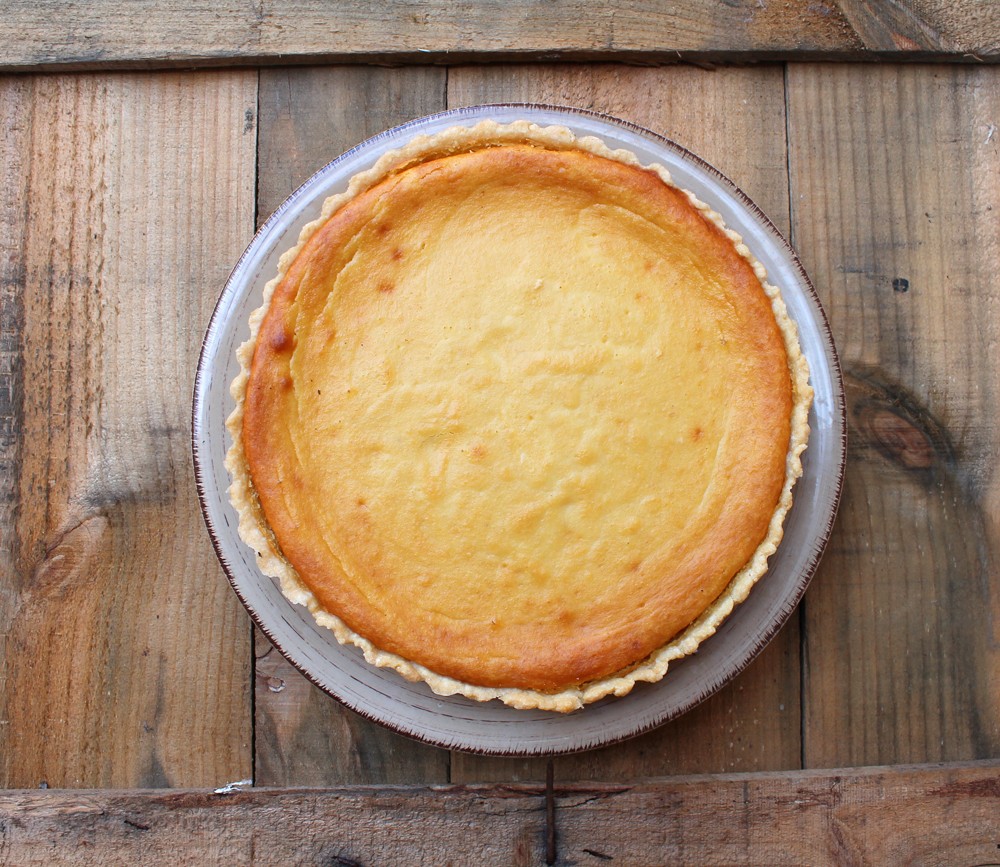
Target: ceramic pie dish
column 376, row 307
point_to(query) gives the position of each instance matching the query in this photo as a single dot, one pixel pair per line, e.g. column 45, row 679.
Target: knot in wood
column 898, row 438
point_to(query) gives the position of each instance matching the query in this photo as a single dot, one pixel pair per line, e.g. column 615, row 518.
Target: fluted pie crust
column 518, row 417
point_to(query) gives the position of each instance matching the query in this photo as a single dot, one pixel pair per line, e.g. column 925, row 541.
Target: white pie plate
column 492, row 728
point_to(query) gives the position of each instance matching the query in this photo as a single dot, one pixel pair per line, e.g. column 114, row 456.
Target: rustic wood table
column 140, row 145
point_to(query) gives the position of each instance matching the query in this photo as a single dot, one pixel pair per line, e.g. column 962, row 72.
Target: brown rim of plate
column 790, row 601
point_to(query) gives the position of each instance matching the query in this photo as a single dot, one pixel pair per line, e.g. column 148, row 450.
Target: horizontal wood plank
column 109, row 33
column 923, row 815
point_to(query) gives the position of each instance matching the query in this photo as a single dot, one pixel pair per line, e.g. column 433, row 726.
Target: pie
column 518, row 417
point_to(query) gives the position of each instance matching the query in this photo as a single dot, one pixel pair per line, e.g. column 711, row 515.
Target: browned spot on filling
column 280, row 340
column 385, row 286
column 397, row 254
column 383, row 230
column 697, row 434
column 478, row 452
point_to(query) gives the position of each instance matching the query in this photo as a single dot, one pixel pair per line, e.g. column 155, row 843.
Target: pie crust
column 518, row 417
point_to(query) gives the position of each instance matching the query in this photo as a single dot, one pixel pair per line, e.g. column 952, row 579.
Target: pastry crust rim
column 253, row 529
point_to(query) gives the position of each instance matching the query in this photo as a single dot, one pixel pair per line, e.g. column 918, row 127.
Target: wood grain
column 754, row 724
column 926, row 26
column 928, row 815
column 894, row 214
column 125, row 655
column 100, row 34
column 307, row 118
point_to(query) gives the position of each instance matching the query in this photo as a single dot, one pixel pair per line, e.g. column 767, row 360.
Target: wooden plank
column 103, row 33
column 125, row 655
column 307, row 118
column 927, row 815
column 894, row 212
column 754, row 724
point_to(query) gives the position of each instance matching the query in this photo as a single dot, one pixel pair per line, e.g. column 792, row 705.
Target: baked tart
column 518, row 417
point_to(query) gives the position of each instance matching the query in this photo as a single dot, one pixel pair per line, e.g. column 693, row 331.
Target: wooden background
column 127, row 662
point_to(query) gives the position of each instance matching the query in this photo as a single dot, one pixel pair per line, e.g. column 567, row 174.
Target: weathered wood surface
column 126, row 659
column 895, row 179
column 109, row 33
column 754, row 724
column 927, row 815
column 124, row 656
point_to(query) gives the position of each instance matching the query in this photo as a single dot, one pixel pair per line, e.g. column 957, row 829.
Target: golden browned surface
column 519, row 416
